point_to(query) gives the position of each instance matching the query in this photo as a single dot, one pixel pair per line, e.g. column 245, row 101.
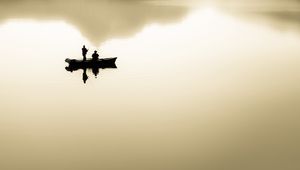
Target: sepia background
column 211, row 84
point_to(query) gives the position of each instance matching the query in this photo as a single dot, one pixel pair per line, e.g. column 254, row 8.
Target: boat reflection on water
column 94, row 64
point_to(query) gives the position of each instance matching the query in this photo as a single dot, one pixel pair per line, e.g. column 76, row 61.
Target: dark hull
column 90, row 64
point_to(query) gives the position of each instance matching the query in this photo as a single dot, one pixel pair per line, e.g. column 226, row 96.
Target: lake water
column 198, row 86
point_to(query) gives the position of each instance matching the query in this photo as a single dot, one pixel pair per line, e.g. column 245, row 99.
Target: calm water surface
column 201, row 87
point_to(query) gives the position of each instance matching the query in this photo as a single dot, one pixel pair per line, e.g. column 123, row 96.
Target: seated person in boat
column 95, row 56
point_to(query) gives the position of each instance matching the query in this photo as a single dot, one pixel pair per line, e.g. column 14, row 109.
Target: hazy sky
column 212, row 88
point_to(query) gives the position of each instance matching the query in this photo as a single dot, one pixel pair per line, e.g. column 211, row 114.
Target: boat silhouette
column 90, row 64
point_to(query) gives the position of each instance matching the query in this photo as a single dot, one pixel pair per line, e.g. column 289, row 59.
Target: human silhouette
column 95, row 56
column 84, row 76
column 84, row 52
column 95, row 71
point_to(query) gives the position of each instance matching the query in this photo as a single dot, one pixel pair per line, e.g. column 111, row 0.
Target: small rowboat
column 91, row 63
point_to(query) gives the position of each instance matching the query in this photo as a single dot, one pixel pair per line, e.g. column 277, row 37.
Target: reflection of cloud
column 97, row 20
column 281, row 20
column 275, row 13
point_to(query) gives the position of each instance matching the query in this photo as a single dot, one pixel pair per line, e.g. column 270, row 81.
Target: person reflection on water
column 95, row 56
column 84, row 76
column 84, row 52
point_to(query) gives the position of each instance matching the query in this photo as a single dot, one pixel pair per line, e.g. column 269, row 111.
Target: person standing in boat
column 84, row 52
column 95, row 56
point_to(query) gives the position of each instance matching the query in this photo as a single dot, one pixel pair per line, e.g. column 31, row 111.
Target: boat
column 91, row 63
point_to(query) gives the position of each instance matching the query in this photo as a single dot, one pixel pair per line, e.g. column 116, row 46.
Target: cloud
column 97, row 20
column 102, row 20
